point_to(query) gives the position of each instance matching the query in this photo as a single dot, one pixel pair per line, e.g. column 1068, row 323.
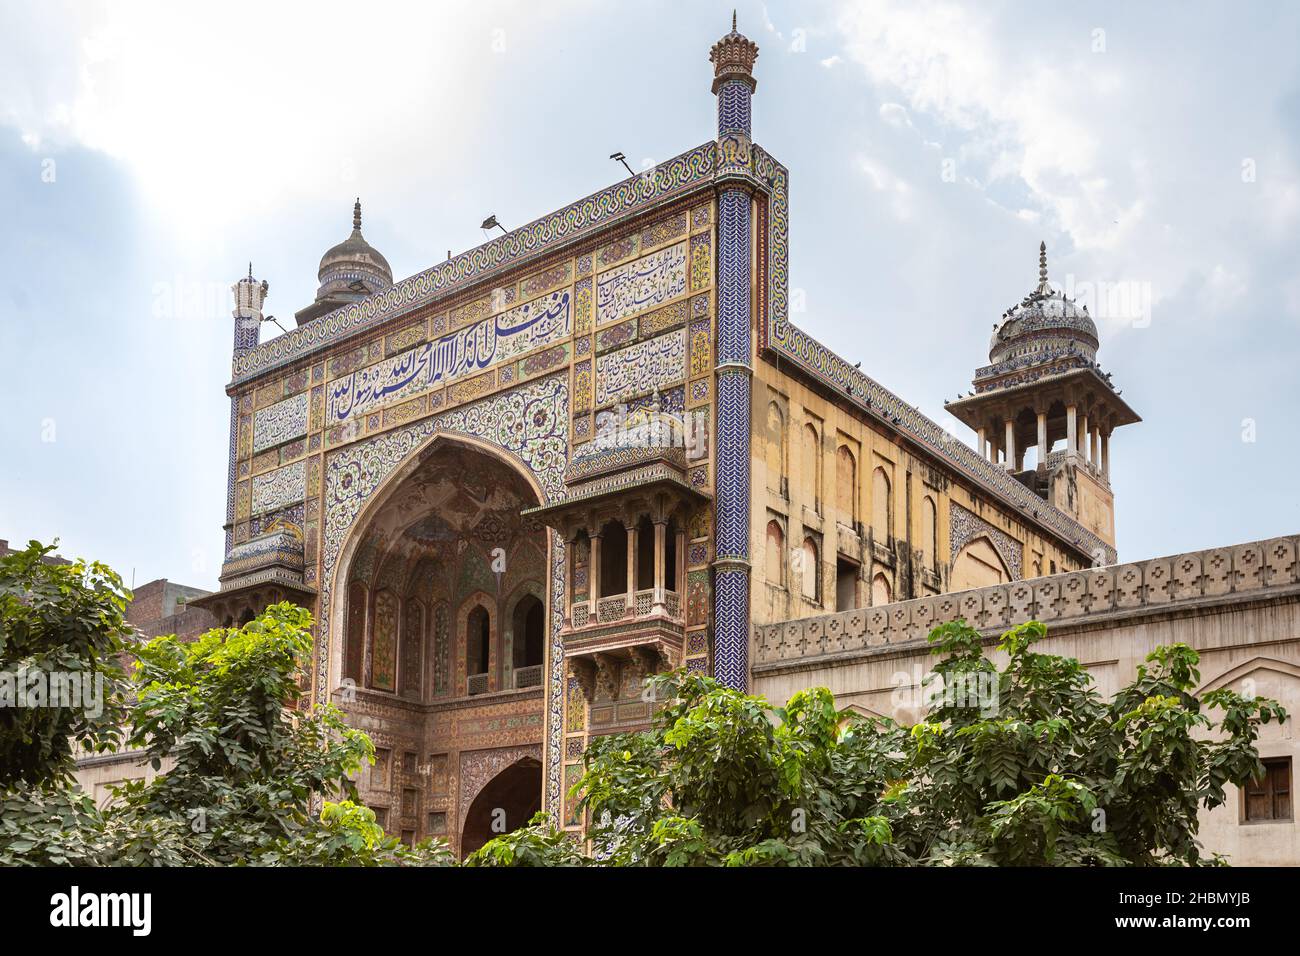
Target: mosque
column 596, row 447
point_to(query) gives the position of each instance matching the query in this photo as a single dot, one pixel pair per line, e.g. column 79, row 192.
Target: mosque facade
column 511, row 486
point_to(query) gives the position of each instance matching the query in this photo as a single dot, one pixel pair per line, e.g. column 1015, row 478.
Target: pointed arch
column 978, row 565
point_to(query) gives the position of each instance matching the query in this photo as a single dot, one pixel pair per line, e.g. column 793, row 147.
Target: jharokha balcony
column 624, row 522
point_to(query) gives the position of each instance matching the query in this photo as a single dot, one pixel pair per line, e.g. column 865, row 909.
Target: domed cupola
column 1044, row 392
column 349, row 271
column 1042, row 327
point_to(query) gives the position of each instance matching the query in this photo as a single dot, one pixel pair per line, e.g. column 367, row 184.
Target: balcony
column 526, row 677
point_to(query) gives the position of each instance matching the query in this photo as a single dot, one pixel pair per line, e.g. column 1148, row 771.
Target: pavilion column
column 595, row 569
column 1083, row 438
column 631, row 566
column 1095, row 442
column 1011, row 444
column 661, row 562
column 1071, row 430
column 983, row 439
column 679, row 585
column 1042, row 438
column 1105, row 453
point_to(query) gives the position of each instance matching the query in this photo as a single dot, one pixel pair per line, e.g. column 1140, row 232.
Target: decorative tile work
column 665, row 230
column 383, row 666
column 555, row 685
column 701, row 261
column 964, row 526
column 582, row 382
column 583, row 265
column 734, row 108
column 641, row 284
column 700, row 390
column 549, row 278
column 641, row 368
column 701, row 216
column 731, row 608
column 661, row 320
column 582, row 427
column 597, row 211
column 701, row 348
column 583, row 304
column 616, row 336
column 469, row 390
column 404, row 339
column 731, row 648
column 453, row 356
column 278, row 488
column 527, row 424
column 616, row 251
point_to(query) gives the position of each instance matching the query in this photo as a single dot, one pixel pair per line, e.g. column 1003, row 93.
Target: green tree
column 63, row 631
column 246, row 780
column 1026, row 765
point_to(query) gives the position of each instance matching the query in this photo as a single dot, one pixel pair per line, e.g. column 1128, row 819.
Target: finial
column 1043, row 287
column 250, row 270
column 733, row 58
column 356, row 215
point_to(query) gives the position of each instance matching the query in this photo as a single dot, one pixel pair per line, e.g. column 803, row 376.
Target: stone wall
column 1238, row 607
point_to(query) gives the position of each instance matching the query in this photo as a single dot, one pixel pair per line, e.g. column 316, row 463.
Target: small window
column 1268, row 797
column 846, row 585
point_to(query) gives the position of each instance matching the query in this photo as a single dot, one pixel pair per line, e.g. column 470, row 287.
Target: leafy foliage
column 1028, row 765
column 58, row 622
column 1035, row 769
column 241, row 774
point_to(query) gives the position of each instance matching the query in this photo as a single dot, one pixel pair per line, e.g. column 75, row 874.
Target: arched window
column 355, row 650
column 478, row 642
column 978, row 565
column 529, row 630
column 812, row 464
column 810, row 569
column 882, row 506
column 881, row 592
column 645, row 554
column 775, row 449
column 846, row 485
column 774, row 559
column 930, row 532
column 613, row 559
column 412, row 666
column 383, row 642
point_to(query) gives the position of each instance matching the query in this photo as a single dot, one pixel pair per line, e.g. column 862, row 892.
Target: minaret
column 1043, row 386
column 733, row 83
column 250, row 295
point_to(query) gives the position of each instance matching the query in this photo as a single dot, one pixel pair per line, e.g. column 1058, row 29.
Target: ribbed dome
column 353, row 260
column 1044, row 324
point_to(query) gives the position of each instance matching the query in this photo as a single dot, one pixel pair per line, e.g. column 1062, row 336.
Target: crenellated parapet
column 1184, row 582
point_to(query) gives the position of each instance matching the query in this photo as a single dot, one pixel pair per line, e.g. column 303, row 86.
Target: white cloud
column 218, row 109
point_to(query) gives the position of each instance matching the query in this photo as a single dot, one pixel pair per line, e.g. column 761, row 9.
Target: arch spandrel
column 526, row 430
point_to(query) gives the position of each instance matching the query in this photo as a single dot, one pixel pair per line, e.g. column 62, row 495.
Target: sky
column 149, row 151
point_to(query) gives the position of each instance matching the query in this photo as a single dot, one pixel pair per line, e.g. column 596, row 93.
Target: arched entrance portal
column 444, row 587
column 507, row 802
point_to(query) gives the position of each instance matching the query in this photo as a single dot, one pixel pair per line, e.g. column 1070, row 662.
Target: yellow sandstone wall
column 873, row 509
